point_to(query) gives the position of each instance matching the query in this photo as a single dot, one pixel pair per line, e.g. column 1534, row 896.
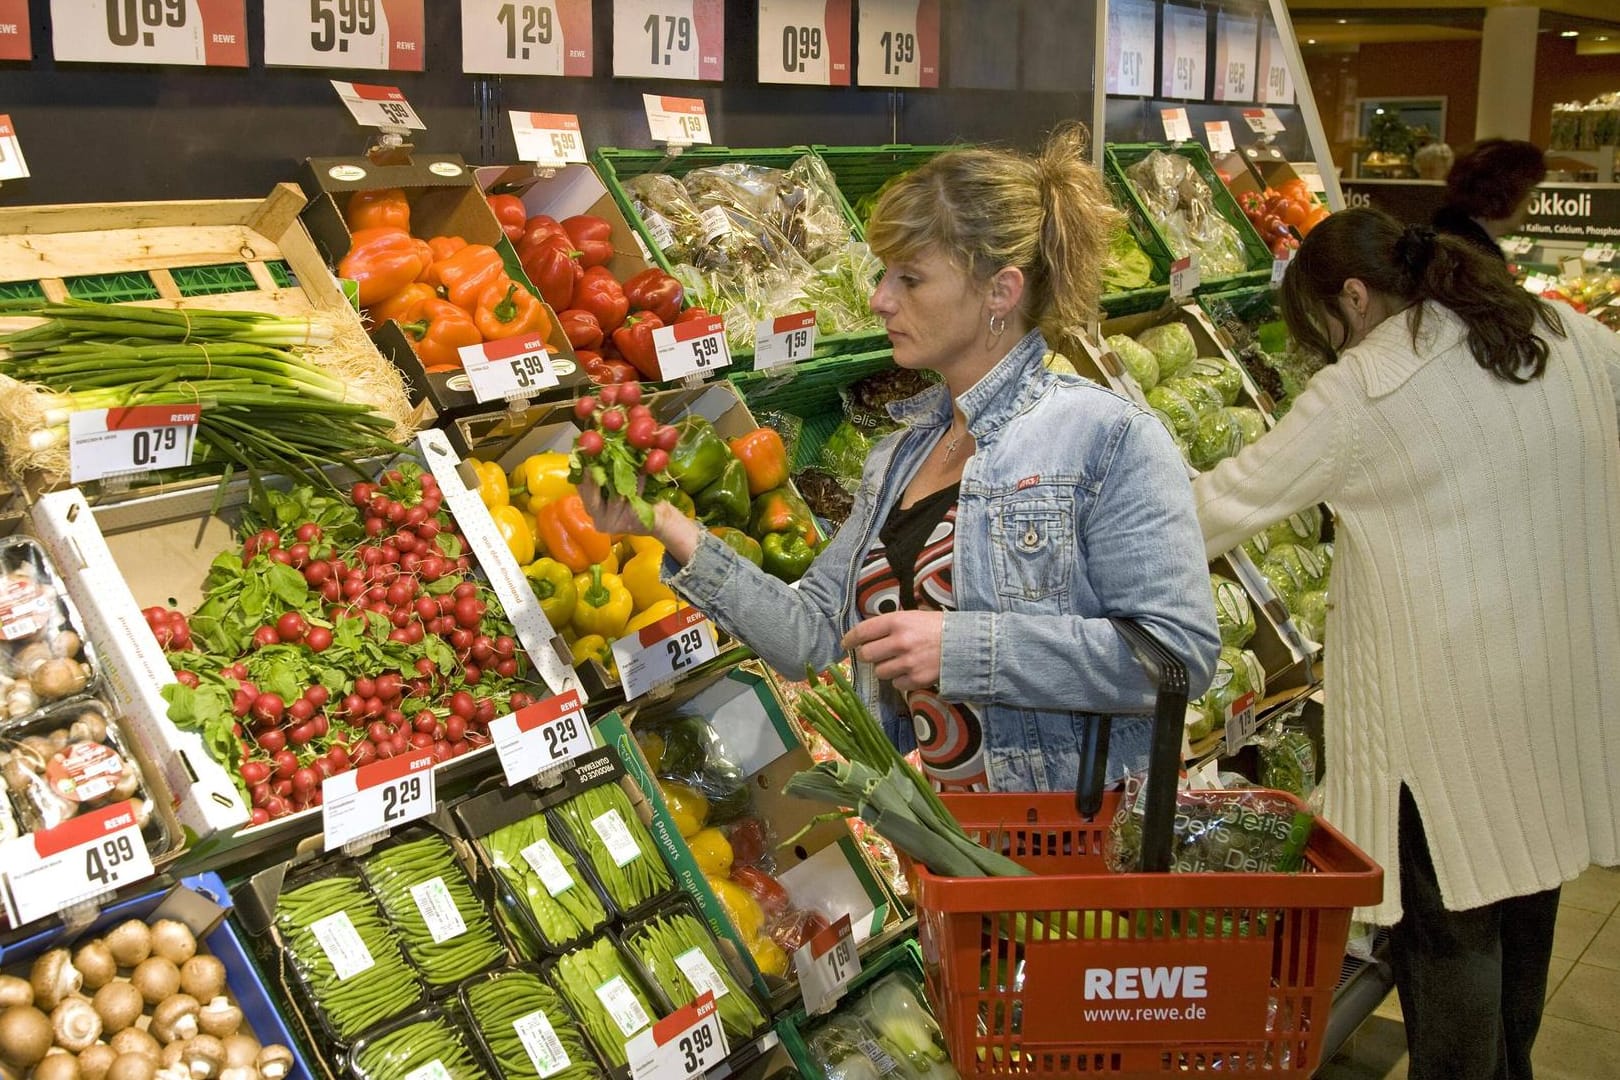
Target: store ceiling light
column 1310, row 41
column 1603, row 37
column 1570, row 33
column 1343, row 21
column 1378, row 112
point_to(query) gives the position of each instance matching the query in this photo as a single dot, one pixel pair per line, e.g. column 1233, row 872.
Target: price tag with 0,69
column 375, row 798
column 93, row 853
column 541, row 736
column 668, row 649
column 686, row 1043
column 137, row 439
column 209, row 33
column 696, row 347
column 512, row 368
column 825, row 965
column 548, row 139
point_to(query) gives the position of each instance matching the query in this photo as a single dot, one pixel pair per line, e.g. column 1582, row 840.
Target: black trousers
column 1471, row 983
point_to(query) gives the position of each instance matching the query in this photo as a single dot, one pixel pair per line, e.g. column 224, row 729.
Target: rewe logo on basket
column 1134, row 983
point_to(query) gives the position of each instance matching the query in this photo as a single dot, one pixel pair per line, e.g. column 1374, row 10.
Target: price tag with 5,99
column 347, row 35
column 137, row 439
column 1184, row 276
column 382, row 107
column 697, row 347
column 825, row 965
column 786, row 339
column 541, row 736
column 509, row 369
column 94, row 853
column 686, row 1043
column 375, row 798
column 671, row 647
column 678, row 121
column 551, row 140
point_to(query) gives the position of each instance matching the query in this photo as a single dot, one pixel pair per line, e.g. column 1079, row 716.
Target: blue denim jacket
column 1074, row 508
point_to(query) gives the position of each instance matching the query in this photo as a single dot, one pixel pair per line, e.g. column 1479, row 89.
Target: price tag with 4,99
column 137, row 439
column 93, row 853
column 541, row 736
column 697, row 347
column 551, row 140
column 671, row 647
column 381, row 107
column 825, row 965
column 686, row 1043
column 376, row 798
column 509, row 369
column 786, row 339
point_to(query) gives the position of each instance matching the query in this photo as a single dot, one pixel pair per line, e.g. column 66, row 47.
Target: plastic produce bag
column 669, row 213
column 1250, row 831
column 1172, row 345
column 1179, row 200
column 1233, row 612
column 1287, row 761
column 1217, row 437
column 1237, row 672
column 1138, row 359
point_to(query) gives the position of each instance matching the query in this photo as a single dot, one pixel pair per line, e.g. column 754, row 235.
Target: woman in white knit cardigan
column 1465, row 435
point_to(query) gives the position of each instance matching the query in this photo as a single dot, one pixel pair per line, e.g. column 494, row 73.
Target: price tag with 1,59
column 678, row 121
column 695, row 347
column 211, row 33
column 551, row 140
column 93, row 853
column 1240, row 723
column 509, row 369
column 137, row 439
column 1176, row 126
column 686, row 1043
column 825, row 965
column 1184, row 276
column 786, row 339
column 541, row 736
column 375, row 798
column 668, row 649
column 382, row 107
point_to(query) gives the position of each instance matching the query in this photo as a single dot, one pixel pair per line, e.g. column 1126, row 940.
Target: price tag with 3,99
column 1240, row 723
column 137, row 439
column 668, row 649
column 376, row 798
column 541, row 37
column 379, row 35
column 825, row 965
column 382, row 107
column 1184, row 276
column 509, row 369
column 686, row 1043
column 202, row 33
column 786, row 339
column 678, row 121
column 93, row 853
column 541, row 736
column 551, row 140
column 697, row 347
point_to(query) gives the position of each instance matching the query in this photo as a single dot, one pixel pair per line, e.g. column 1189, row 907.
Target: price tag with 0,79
column 137, row 439
column 93, row 853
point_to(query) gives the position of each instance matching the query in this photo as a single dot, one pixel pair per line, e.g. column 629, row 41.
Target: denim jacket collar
column 989, row 402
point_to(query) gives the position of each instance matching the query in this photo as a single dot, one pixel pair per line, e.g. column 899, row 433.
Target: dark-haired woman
column 1465, row 434
column 1488, row 192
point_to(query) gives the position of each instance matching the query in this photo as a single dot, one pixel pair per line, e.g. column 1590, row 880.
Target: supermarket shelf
column 1363, row 985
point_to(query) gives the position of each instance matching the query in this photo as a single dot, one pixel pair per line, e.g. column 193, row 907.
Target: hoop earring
column 998, row 325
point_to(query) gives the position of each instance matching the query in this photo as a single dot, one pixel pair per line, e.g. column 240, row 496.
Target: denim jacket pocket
column 1034, row 546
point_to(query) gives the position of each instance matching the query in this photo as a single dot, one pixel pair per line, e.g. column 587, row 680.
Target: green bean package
column 684, row 961
column 546, row 881
column 606, row 995
column 344, row 951
column 447, row 931
column 604, row 827
column 528, row 1031
column 426, row 1048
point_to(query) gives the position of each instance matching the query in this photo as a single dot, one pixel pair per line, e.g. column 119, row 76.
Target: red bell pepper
column 582, row 329
column 551, row 265
column 466, row 274
column 379, row 208
column 511, row 213
column 603, row 371
column 536, row 231
column 655, row 291
column 440, row 330
column 693, row 314
column 383, row 261
column 593, row 236
column 634, row 342
column 506, row 309
column 599, row 293
column 403, row 305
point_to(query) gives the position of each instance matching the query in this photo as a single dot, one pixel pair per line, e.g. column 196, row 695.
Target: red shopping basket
column 1076, row 970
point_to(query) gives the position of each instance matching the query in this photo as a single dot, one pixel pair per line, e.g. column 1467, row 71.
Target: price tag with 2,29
column 93, row 853
column 825, row 965
column 382, row 107
column 786, row 339
column 379, row 35
column 1184, row 276
column 137, row 439
column 671, row 647
column 686, row 1043
column 804, row 42
column 376, row 798
column 201, row 33
column 551, row 140
column 544, row 37
column 509, row 369
column 669, row 39
column 541, row 736
column 696, row 347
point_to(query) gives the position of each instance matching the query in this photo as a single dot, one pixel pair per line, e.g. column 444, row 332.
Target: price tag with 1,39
column 1218, row 133
column 376, row 798
column 668, row 649
column 551, row 140
column 676, row 120
column 541, row 736
column 137, row 439
column 696, row 347
column 686, row 1043
column 1184, row 276
column 825, row 965
column 899, row 43
column 510, row 369
column 93, row 853
column 211, row 33
column 1176, row 127
column 382, row 107
column 1240, row 723
column 786, row 339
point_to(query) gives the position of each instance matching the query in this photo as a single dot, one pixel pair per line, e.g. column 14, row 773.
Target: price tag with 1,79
column 671, row 647
column 137, row 439
column 376, row 798
column 696, row 347
column 686, row 1043
column 541, row 736
column 786, row 339
column 509, row 369
column 382, row 107
column 548, row 139
column 1240, row 723
column 93, row 853
column 825, row 965
column 1184, row 276
column 676, row 120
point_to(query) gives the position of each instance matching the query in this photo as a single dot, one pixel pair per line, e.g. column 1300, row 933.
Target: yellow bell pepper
column 641, row 544
column 553, row 586
column 641, row 577
column 768, row 956
column 604, row 604
column 647, row 616
column 514, row 528
column 492, row 486
column 712, row 852
column 540, row 479
column 687, row 806
column 591, row 647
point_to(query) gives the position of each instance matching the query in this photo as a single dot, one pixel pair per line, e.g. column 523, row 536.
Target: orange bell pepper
column 443, row 247
column 506, row 309
column 764, row 457
column 467, row 273
column 439, row 332
column 425, row 250
column 379, row 208
column 403, row 305
column 570, row 536
column 382, row 262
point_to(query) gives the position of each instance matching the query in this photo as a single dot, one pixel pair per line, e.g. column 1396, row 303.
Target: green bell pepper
column 679, row 499
column 699, row 458
column 781, row 510
column 787, row 555
column 725, row 502
column 741, row 543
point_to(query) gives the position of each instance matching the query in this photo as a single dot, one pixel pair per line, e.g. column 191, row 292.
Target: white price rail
column 899, row 43
column 671, row 647
column 541, row 736
column 804, row 42
column 198, row 33
column 377, row 798
column 669, row 39
column 1184, row 276
column 677, row 121
column 786, row 339
column 96, row 852
column 12, row 164
column 510, row 369
column 538, row 37
column 695, row 347
column 825, row 965
column 373, row 35
column 136, row 439
column 686, row 1043
column 551, row 140
column 382, row 107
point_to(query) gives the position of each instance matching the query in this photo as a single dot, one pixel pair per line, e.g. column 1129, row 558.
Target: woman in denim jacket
column 1014, row 513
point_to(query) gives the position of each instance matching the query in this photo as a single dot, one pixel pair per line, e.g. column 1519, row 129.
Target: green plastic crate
column 282, row 274
column 21, row 290
column 113, row 288
column 213, row 280
column 793, row 1028
column 810, row 392
column 862, row 170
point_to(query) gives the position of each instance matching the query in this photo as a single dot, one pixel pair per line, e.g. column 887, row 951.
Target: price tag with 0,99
column 376, row 798
column 825, row 965
column 551, row 140
column 510, row 369
column 382, row 107
column 85, row 856
column 671, row 647
column 137, row 439
column 541, row 736
column 696, row 347
column 686, row 1043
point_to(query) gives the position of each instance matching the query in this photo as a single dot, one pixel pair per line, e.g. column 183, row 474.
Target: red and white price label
column 1184, row 276
column 541, row 736
column 1263, row 121
column 509, row 369
column 549, row 139
column 14, row 31
column 1276, row 83
column 805, row 42
column 382, row 107
column 668, row 649
column 825, row 965
column 1236, row 38
column 12, row 164
column 380, row 35
column 1279, row 269
column 670, row 39
column 1218, row 133
column 94, row 853
column 678, row 121
column 1240, row 723
column 786, row 339
column 899, row 43
column 541, row 37
column 686, row 1043
column 201, row 33
column 697, row 347
column 1130, row 47
column 376, row 798
column 1177, row 128
column 1183, row 52
column 137, row 439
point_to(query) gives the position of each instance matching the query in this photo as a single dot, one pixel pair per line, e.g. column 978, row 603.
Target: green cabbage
column 1139, row 361
column 844, row 452
column 1180, row 415
column 1304, row 527
column 1237, row 672
column 1292, row 569
column 1310, row 613
column 1324, row 555
column 1226, row 376
column 1233, row 612
column 1125, row 266
column 1216, row 438
column 1172, row 345
column 1249, row 422
column 1255, row 547
column 1202, row 392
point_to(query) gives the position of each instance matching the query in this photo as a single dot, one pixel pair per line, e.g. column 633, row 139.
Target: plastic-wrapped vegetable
column 844, row 453
column 1203, row 393
column 1303, row 527
column 446, row 930
column 1288, row 761
column 606, row 996
column 847, row 1049
column 1310, row 613
column 604, row 827
column 429, row 1046
column 1237, row 672
column 1233, row 612
column 1324, row 555
column 1296, row 564
column 669, row 214
column 840, row 289
column 1217, row 437
column 1172, row 346
column 1249, row 421
column 684, row 961
column 1221, row 373
column 1182, row 204
column 893, row 1007
column 528, row 1030
column 1180, row 413
column 1248, row 831
column 1138, row 359
column 545, row 879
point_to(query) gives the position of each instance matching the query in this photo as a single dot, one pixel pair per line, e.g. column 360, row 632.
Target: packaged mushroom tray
column 43, row 657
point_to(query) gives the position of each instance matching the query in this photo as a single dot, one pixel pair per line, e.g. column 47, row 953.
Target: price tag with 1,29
column 382, row 107
column 804, row 42
column 201, row 33
column 509, row 369
column 825, row 965
column 1183, row 52
column 376, row 798
column 686, row 1043
column 786, row 339
column 94, row 853
column 541, row 736
column 676, row 120
column 1218, row 133
column 1176, row 127
column 137, row 439
column 374, row 35
column 540, row 37
column 696, row 347
column 551, row 140
column 1184, row 276
column 668, row 649
column 1240, row 723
